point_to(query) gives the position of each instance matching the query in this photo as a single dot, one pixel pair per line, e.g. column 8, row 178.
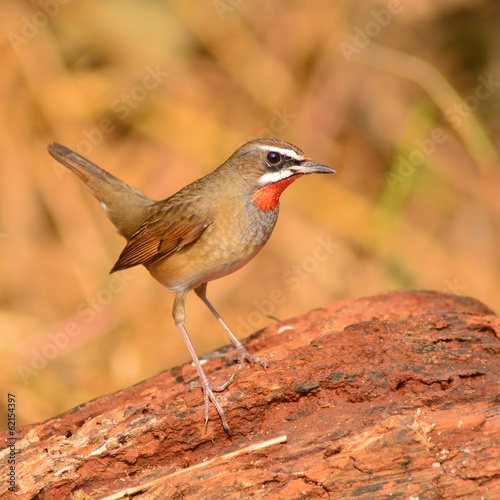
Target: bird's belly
column 219, row 251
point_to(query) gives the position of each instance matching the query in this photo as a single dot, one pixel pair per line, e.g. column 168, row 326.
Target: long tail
column 126, row 207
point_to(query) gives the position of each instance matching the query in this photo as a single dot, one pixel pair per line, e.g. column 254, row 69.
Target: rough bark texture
column 393, row 396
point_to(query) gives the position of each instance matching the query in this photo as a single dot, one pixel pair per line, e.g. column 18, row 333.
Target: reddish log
column 392, row 396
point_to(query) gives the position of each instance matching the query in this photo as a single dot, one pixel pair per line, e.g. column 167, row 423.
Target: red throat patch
column 268, row 197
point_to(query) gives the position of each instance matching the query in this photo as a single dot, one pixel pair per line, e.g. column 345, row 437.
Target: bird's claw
column 241, row 355
column 208, row 395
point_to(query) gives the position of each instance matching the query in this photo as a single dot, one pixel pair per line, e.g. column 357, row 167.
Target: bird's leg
column 205, row 384
column 241, row 352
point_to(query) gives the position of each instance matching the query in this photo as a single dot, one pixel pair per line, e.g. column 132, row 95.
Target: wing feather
column 167, row 231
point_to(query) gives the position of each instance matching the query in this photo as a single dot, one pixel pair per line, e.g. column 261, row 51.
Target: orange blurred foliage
column 401, row 98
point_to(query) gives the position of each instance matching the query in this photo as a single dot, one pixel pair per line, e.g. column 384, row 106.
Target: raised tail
column 126, row 207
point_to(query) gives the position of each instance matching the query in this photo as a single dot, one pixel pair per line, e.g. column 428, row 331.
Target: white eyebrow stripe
column 272, row 177
column 286, row 152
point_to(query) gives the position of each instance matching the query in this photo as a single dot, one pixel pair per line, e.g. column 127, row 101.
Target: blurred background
column 401, row 97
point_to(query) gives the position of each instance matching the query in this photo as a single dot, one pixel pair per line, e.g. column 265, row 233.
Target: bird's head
column 269, row 166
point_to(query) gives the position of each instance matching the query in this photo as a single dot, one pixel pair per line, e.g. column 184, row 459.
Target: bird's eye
column 273, row 158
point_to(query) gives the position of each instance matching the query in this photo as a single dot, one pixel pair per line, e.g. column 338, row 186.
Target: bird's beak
column 309, row 167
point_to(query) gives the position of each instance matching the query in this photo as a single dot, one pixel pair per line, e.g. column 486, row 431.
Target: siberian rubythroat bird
column 205, row 231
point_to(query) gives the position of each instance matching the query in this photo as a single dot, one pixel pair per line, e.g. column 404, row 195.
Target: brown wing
column 168, row 230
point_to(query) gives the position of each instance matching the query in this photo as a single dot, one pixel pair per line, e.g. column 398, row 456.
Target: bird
column 207, row 230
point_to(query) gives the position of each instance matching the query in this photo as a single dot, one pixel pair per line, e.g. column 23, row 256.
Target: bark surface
column 392, row 396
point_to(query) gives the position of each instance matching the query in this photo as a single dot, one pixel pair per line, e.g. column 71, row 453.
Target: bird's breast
column 234, row 237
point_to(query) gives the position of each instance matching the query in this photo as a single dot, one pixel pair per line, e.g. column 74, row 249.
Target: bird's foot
column 241, row 354
column 208, row 395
